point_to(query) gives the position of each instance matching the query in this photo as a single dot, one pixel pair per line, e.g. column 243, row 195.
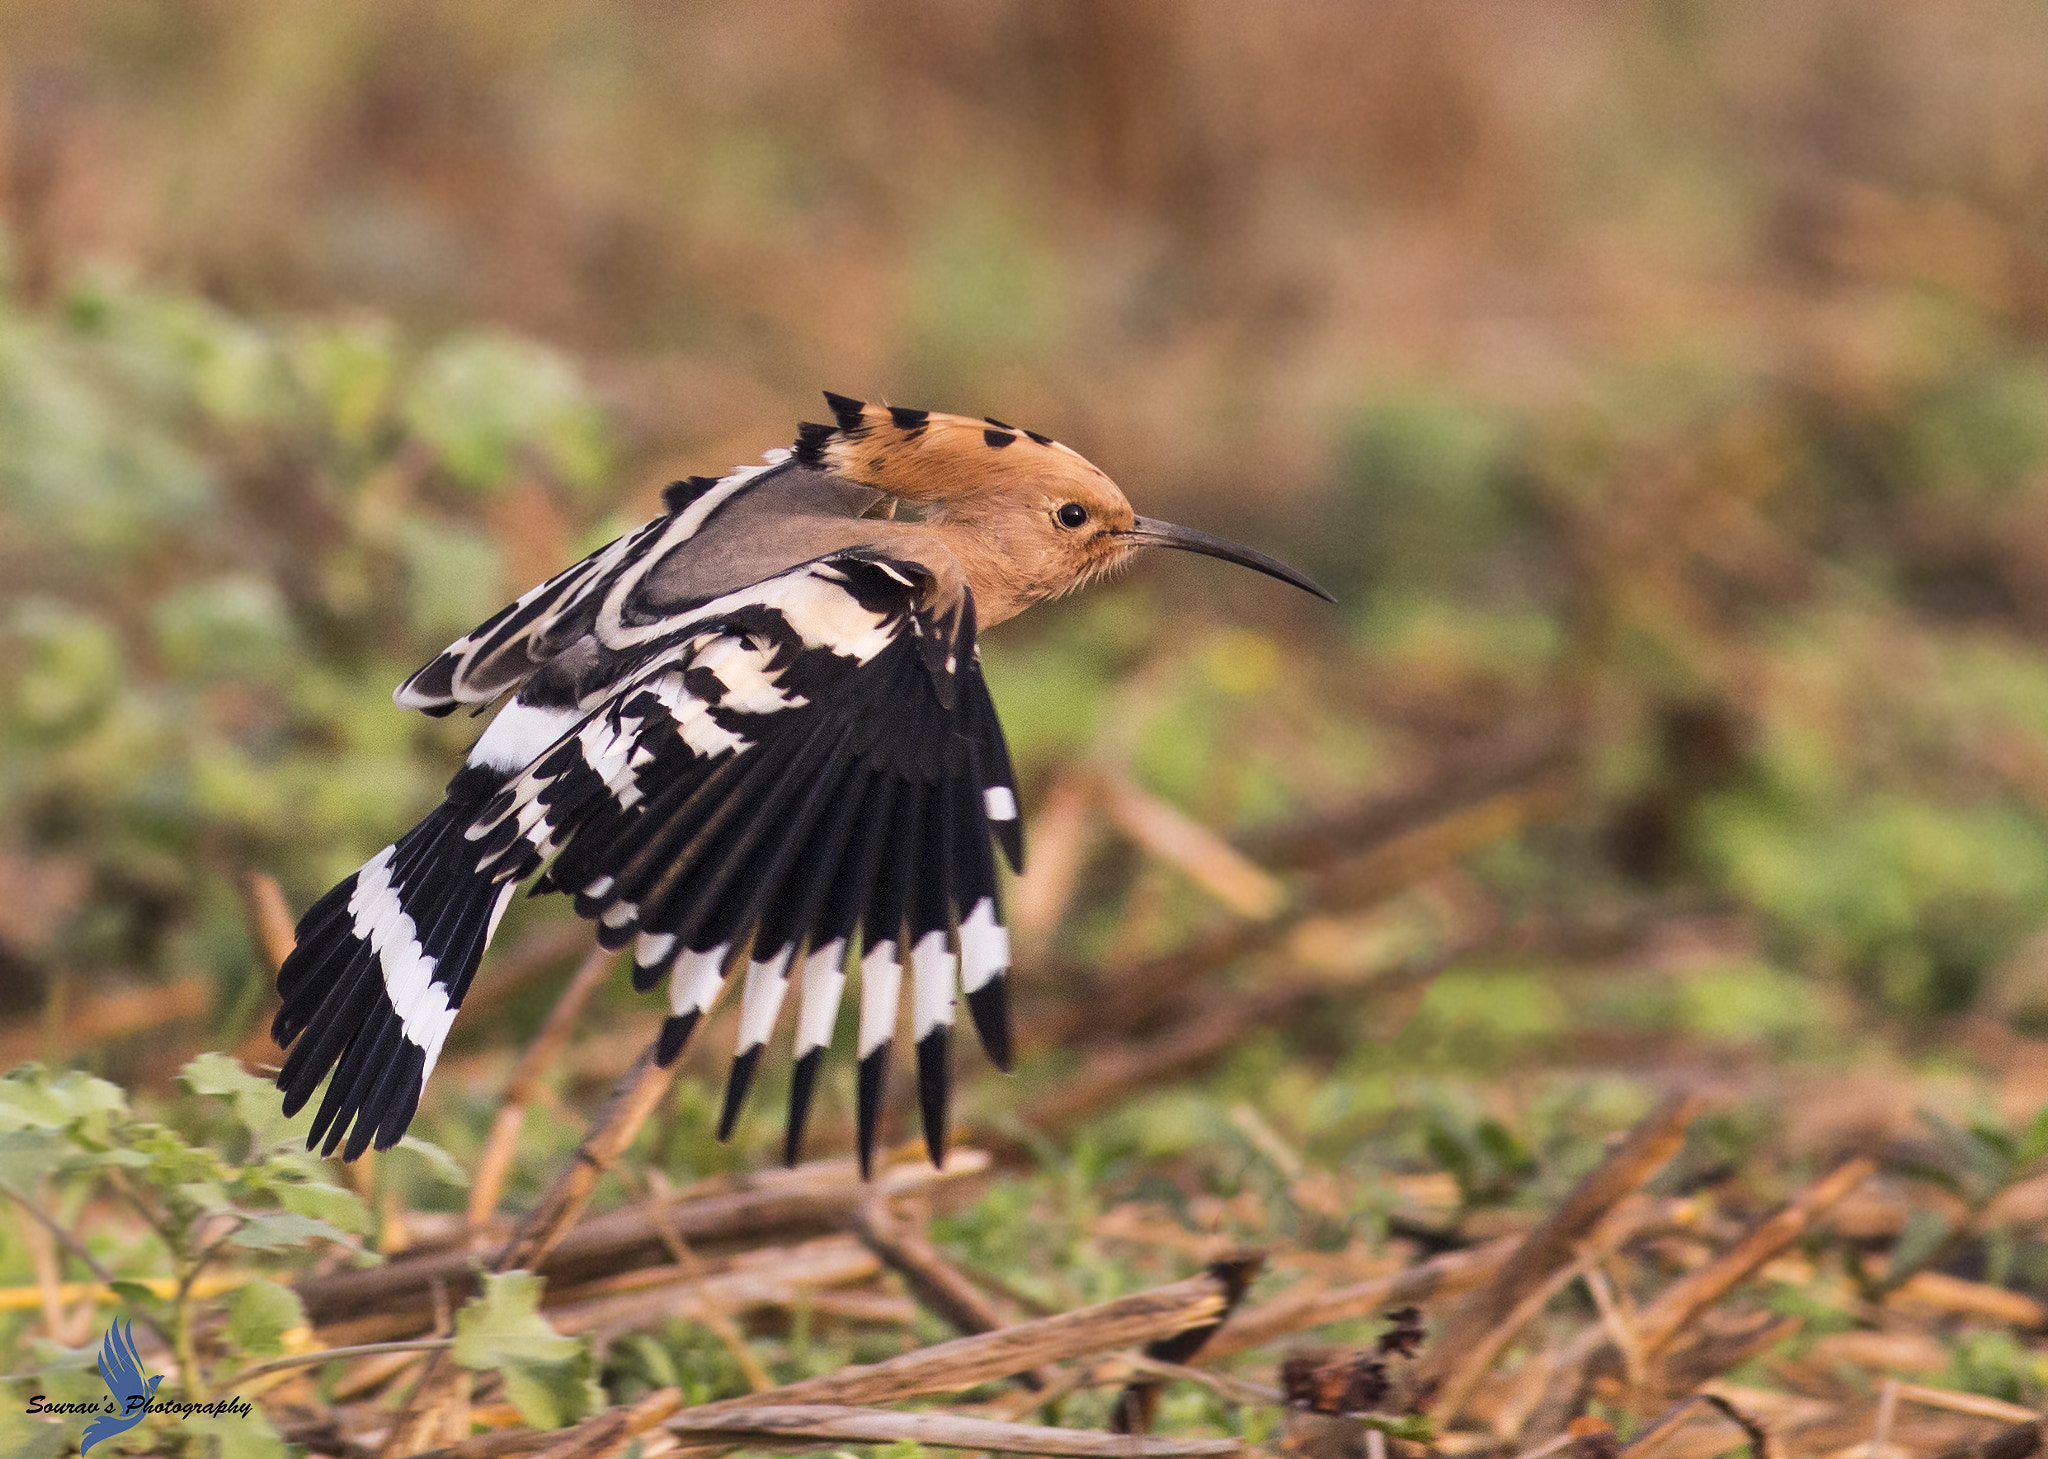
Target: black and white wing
column 805, row 777
column 502, row 652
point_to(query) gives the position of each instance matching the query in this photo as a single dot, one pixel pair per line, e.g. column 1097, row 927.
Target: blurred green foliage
column 218, row 1181
column 227, row 540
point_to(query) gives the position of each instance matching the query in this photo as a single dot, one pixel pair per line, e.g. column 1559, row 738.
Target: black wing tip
column 675, row 1032
column 1010, row 836
column 934, row 1084
column 989, row 1005
column 737, row 1083
column 874, row 1074
column 803, row 1082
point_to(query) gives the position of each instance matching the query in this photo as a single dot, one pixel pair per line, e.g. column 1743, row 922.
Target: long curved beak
column 1151, row 532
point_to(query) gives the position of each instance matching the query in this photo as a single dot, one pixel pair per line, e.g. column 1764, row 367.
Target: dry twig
column 503, row 1141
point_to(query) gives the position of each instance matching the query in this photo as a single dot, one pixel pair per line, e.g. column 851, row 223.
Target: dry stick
column 533, row 1064
column 1199, row 853
column 1678, row 1304
column 1617, row 1226
column 1237, row 1390
column 618, row 1426
column 1132, row 996
column 632, row 1100
column 1670, row 1423
column 2021, row 1441
column 932, row 1279
column 328, row 1355
column 1620, row 1331
column 1295, row 1311
column 1881, row 1430
column 87, row 1019
column 1476, row 1359
column 809, row 1425
column 948, row 1367
column 765, row 1208
column 787, row 1276
column 1465, row 774
column 270, row 917
column 1108, row 1072
column 1977, row 1405
column 1553, row 1242
column 1061, row 827
column 962, row 1363
column 708, row 1311
column 42, row 1254
column 1682, row 1301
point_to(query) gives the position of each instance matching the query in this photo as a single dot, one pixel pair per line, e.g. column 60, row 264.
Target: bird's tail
column 381, row 965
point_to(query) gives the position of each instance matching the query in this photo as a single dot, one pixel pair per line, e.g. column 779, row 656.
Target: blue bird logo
column 123, row 1372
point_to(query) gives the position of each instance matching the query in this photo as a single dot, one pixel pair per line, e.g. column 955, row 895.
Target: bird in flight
column 751, row 738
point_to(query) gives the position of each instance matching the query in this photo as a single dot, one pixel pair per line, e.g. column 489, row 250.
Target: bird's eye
column 1073, row 514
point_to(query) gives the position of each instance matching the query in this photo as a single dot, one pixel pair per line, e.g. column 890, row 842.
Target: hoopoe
column 750, row 736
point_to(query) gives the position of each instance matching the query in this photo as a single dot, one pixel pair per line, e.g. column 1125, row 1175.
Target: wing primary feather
column 332, row 1121
column 803, row 1080
column 873, row 1078
column 659, row 869
column 675, row 1032
column 832, row 902
column 881, row 964
column 933, row 1086
column 745, row 871
column 999, row 779
column 984, row 944
column 741, row 1078
column 932, row 963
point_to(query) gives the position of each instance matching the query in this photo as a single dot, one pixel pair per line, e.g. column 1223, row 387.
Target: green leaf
column 207, row 1195
column 483, row 401
column 31, row 1438
column 2034, row 1143
column 31, row 1100
column 1934, row 1175
column 26, row 1156
column 438, row 1161
column 325, row 1202
column 549, row 1378
column 133, row 1293
column 1998, row 1144
column 260, row 1314
column 276, row 1230
column 255, row 1098
column 1923, row 1234
column 238, row 1436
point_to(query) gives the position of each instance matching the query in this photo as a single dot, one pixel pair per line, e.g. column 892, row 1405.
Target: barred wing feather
column 817, row 771
column 794, row 781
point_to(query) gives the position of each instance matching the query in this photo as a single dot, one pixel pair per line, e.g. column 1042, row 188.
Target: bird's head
column 1028, row 518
